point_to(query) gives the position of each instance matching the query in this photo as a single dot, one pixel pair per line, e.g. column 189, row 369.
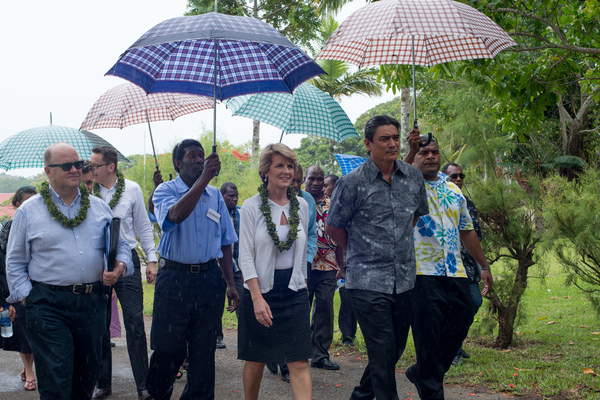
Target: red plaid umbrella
column 417, row 32
column 128, row 104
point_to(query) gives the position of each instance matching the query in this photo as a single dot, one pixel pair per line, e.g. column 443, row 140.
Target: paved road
column 326, row 384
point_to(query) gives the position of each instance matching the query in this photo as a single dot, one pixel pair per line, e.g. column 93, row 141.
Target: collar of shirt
column 442, row 179
column 373, row 171
column 182, row 187
column 59, row 201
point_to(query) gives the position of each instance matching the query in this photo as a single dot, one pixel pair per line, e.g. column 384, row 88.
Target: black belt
column 80, row 288
column 193, row 268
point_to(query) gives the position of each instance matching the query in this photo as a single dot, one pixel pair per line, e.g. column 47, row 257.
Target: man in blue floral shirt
column 442, row 315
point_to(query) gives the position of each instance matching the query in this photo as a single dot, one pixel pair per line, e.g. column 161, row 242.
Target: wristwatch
column 122, row 264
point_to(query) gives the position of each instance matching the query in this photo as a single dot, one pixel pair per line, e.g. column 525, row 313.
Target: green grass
column 556, row 339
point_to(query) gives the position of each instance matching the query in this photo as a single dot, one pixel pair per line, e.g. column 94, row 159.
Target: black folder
column 114, row 228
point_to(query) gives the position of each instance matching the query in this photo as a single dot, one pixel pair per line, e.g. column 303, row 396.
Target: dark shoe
column 412, row 377
column 272, row 367
column 285, row 376
column 144, row 395
column 457, row 360
column 348, row 342
column 113, row 344
column 220, row 344
column 325, row 363
column 465, row 354
column 179, row 375
column 100, row 394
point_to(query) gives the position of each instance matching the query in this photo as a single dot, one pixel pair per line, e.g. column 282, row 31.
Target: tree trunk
column 405, row 126
column 507, row 312
column 255, row 143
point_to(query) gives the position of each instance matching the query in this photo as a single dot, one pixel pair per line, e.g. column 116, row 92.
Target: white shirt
column 134, row 218
column 258, row 253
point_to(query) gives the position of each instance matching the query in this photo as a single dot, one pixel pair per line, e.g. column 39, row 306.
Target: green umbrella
column 26, row 149
column 307, row 111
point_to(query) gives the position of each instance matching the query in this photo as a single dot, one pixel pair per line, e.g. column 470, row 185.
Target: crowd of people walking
column 403, row 237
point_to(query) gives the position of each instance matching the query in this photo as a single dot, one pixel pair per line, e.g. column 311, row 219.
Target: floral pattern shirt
column 325, row 256
column 437, row 234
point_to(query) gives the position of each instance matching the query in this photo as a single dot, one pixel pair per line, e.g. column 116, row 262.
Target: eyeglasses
column 455, row 176
column 99, row 165
column 68, row 165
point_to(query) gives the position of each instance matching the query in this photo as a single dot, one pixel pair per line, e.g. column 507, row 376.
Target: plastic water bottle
column 340, row 284
column 7, row 328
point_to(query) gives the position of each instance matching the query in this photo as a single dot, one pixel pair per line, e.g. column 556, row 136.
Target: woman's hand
column 262, row 311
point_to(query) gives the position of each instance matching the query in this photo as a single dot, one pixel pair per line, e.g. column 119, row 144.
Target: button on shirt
column 198, row 239
column 134, row 219
column 378, row 218
column 41, row 248
column 437, row 235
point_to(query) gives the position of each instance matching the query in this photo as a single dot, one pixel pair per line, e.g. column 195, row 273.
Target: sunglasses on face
column 456, row 176
column 68, row 165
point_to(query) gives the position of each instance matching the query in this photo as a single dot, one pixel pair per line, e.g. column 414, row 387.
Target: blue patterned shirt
column 437, row 235
column 378, row 218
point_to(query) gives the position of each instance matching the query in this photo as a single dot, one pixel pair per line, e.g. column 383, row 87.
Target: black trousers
column 131, row 297
column 66, row 331
column 239, row 287
column 443, row 314
column 187, row 307
column 384, row 321
column 346, row 317
column 321, row 289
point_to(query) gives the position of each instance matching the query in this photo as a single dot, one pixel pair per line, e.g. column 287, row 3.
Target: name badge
column 212, row 214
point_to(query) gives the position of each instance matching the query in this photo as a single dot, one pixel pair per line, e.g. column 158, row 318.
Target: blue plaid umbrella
column 349, row 162
column 215, row 55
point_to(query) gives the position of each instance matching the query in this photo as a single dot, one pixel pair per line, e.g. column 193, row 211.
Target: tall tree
column 297, row 20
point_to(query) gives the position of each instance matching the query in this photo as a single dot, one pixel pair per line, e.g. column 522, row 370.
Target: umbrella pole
column 415, row 125
column 151, row 139
column 281, row 138
column 216, row 45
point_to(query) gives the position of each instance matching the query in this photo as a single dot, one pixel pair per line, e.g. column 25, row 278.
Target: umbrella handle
column 214, row 150
column 425, row 139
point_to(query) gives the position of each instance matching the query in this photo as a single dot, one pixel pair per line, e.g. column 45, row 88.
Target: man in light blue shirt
column 56, row 263
column 197, row 230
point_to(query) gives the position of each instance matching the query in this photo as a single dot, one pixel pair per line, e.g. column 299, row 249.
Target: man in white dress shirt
column 126, row 200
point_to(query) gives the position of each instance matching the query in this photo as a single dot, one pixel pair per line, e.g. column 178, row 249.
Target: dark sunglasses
column 68, row 165
column 455, row 176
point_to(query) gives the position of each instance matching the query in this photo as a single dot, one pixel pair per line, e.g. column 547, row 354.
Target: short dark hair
column 450, row 164
column 87, row 167
column 333, row 178
column 377, row 121
column 179, row 149
column 109, row 154
column 227, row 185
column 18, row 196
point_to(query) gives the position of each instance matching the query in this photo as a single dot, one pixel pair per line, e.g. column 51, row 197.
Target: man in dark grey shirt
column 372, row 213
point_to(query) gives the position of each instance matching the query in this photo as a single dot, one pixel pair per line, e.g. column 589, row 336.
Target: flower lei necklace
column 119, row 192
column 59, row 216
column 294, row 218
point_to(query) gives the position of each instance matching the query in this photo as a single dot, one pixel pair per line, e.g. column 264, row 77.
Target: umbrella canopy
column 178, row 55
column 308, row 111
column 26, row 149
column 128, row 104
column 443, row 30
column 349, row 162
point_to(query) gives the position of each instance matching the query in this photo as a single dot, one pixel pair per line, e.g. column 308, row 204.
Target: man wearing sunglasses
column 127, row 202
column 55, row 263
column 456, row 176
column 443, row 314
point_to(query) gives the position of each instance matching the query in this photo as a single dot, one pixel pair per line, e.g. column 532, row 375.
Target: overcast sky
column 55, row 55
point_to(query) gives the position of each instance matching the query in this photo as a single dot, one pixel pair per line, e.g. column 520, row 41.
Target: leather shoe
column 144, row 395
column 272, row 367
column 412, row 377
column 325, row 363
column 465, row 354
column 285, row 376
column 348, row 342
column 220, row 344
column 100, row 394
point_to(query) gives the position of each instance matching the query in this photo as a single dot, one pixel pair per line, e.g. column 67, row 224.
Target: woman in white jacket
column 274, row 321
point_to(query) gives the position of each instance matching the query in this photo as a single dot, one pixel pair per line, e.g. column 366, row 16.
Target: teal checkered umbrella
column 307, row 111
column 26, row 149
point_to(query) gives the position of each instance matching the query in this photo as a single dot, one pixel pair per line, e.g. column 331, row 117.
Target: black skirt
column 19, row 341
column 288, row 339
